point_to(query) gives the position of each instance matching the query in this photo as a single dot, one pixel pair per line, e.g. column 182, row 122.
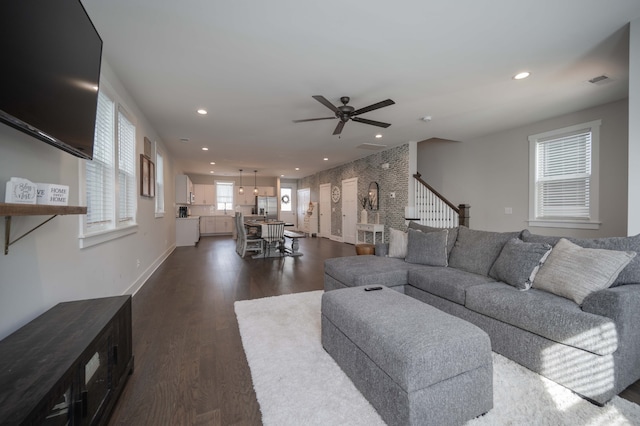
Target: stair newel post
column 463, row 214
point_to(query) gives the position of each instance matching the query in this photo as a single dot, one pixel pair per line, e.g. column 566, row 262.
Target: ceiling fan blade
column 373, row 123
column 339, row 127
column 314, row 119
column 326, row 103
column 381, row 104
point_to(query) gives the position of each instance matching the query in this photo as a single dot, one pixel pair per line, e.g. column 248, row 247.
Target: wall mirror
column 373, row 195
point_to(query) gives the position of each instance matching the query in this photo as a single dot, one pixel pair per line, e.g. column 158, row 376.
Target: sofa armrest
column 621, row 304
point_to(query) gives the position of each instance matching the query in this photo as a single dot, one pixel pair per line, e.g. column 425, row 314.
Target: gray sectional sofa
column 568, row 309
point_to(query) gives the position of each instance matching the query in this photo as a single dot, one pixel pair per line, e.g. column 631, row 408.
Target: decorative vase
column 363, row 216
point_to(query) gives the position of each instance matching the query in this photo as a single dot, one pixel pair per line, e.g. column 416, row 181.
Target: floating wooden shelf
column 8, row 210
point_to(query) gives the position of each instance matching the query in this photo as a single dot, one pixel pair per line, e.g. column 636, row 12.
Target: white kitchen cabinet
column 204, row 194
column 207, row 225
column 246, row 199
column 224, row 225
column 267, row 191
column 184, row 189
column 187, row 231
column 216, row 225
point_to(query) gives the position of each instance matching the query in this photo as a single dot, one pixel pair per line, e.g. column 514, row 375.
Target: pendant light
column 255, row 187
column 241, row 189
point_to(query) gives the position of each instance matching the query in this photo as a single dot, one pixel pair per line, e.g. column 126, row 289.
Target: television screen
column 50, row 72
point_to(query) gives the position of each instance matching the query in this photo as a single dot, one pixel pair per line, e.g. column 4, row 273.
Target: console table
column 374, row 228
column 69, row 365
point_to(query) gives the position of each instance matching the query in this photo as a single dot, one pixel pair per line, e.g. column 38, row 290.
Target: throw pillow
column 574, row 272
column 475, row 251
column 519, row 263
column 451, row 238
column 427, row 248
column 629, row 275
column 398, row 241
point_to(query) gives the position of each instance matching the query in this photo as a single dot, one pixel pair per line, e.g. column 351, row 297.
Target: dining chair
column 247, row 242
column 273, row 237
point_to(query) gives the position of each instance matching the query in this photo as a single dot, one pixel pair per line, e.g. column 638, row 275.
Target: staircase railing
column 432, row 209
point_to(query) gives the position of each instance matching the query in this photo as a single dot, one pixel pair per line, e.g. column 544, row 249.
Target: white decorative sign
column 20, row 191
column 52, row 194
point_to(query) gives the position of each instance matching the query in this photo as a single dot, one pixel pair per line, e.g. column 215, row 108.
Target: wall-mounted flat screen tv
column 50, row 54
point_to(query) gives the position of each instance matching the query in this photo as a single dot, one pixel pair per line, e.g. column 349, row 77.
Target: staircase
column 432, row 209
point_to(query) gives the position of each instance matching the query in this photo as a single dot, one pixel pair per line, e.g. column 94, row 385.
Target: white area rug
column 298, row 383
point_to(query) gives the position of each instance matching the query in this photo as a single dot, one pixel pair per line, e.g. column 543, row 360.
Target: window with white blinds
column 159, row 183
column 99, row 172
column 224, row 195
column 110, row 178
column 564, row 185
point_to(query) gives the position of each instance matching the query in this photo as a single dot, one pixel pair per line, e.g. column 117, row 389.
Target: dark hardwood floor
column 190, row 368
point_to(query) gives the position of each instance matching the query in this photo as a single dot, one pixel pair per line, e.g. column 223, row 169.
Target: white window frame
column 592, row 222
column 159, row 182
column 224, row 182
column 114, row 228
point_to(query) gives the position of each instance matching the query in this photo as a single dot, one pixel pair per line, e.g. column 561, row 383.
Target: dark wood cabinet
column 69, row 365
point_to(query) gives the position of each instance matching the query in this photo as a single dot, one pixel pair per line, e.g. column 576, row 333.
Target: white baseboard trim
column 337, row 238
column 142, row 279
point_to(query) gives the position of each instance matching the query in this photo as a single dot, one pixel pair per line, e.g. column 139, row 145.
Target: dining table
column 254, row 227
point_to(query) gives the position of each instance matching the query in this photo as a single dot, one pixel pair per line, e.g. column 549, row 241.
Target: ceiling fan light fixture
column 241, row 189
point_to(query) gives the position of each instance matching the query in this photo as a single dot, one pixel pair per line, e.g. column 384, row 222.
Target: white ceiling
column 254, row 65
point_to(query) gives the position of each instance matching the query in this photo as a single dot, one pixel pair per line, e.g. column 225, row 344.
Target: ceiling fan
column 346, row 112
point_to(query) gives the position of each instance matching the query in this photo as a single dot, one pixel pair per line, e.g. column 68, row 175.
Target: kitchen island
column 187, row 231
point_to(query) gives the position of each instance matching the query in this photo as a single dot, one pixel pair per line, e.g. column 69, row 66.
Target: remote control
column 372, row 288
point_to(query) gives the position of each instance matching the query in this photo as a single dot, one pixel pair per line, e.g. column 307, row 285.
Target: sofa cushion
column 398, row 241
column 545, row 314
column 451, row 239
column 519, row 262
column 427, row 248
column 475, row 251
column 629, row 275
column 574, row 272
column 368, row 270
column 448, row 283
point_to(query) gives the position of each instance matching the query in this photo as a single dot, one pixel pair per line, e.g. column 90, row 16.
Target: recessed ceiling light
column 204, row 148
column 184, row 140
column 211, row 171
column 297, row 168
column 378, row 136
column 325, row 159
column 202, row 111
column 521, row 75
column 281, row 175
column 212, row 163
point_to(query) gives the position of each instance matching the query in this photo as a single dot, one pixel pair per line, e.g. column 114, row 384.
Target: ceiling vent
column 600, row 80
column 372, row 146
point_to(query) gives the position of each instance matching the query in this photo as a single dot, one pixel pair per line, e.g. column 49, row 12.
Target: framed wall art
column 147, row 177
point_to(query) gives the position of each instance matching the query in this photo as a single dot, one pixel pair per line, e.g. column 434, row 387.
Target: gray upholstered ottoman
column 414, row 363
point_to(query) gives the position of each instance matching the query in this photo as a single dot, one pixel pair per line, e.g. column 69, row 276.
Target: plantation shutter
column 126, row 168
column 99, row 171
column 563, row 177
column 224, row 195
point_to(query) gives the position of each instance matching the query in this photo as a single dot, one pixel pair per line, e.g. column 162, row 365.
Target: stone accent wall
column 367, row 170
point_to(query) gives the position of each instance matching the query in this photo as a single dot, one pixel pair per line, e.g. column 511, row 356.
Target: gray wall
column 47, row 266
column 367, row 170
column 492, row 172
